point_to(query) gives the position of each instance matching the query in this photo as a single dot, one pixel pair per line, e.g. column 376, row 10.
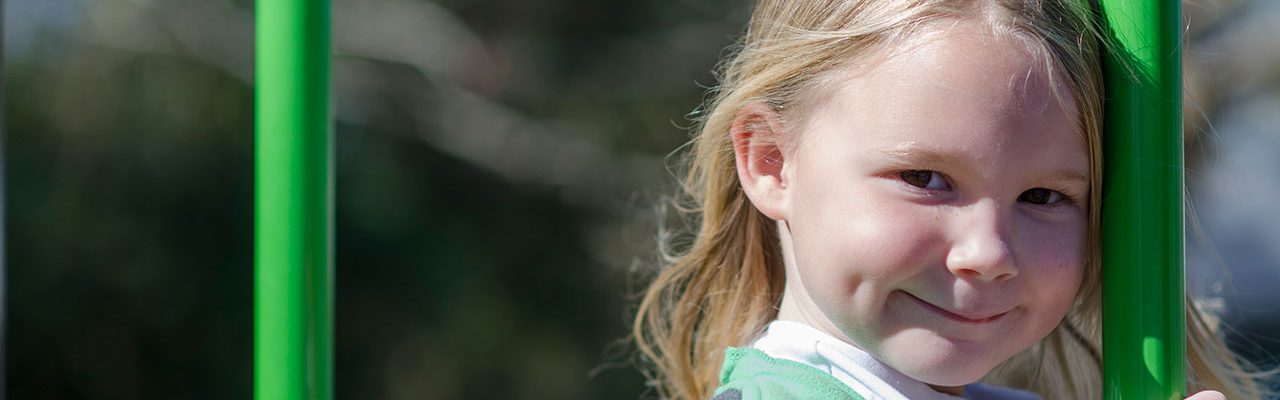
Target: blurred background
column 499, row 165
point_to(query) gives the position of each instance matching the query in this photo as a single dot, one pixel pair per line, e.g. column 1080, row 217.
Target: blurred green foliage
column 129, row 232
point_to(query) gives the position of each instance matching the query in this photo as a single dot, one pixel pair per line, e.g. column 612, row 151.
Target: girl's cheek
column 878, row 235
column 1056, row 255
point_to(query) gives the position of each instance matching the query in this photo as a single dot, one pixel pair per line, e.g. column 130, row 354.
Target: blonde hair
column 726, row 286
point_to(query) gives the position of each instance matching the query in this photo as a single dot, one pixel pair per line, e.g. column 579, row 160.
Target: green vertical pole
column 293, row 202
column 1142, row 226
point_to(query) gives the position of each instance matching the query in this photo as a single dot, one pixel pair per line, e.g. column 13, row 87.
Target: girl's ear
column 757, row 135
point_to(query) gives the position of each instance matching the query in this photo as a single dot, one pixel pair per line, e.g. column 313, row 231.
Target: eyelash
column 907, row 176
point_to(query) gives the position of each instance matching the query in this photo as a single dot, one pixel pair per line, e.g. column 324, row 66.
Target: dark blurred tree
column 129, row 182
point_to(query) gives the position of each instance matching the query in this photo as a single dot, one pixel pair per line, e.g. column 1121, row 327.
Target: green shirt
column 749, row 374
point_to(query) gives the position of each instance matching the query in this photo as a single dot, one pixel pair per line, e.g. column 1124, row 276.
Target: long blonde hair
column 726, row 285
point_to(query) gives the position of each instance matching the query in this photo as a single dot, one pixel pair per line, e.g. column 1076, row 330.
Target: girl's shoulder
column 751, row 374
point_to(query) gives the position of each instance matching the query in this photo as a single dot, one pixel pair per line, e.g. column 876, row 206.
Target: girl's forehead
column 952, row 50
column 965, row 87
column 961, row 62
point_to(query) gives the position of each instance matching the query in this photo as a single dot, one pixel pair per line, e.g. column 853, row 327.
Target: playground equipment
column 1142, row 206
column 293, row 203
column 1142, row 226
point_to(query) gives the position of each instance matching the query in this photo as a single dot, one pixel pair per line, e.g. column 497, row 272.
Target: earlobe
column 761, row 159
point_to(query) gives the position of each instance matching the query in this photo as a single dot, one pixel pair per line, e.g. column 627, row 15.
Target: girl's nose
column 981, row 249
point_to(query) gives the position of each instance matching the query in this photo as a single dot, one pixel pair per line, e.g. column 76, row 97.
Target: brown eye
column 1040, row 196
column 924, row 179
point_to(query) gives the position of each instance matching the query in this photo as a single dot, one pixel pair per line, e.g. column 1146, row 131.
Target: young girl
column 896, row 200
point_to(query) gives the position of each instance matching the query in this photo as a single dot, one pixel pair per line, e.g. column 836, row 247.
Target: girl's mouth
column 976, row 318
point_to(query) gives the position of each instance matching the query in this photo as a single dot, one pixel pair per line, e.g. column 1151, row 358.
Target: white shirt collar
column 863, row 373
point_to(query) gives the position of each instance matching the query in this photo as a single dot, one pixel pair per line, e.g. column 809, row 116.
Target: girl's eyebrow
column 906, row 154
column 1069, row 177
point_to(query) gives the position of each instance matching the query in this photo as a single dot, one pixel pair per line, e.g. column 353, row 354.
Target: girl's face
column 935, row 206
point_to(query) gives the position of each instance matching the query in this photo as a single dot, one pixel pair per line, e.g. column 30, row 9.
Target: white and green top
column 794, row 360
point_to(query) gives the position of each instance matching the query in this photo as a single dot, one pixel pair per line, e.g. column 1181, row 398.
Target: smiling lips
column 957, row 317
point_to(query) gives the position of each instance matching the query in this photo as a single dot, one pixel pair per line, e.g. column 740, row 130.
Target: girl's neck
column 862, row 372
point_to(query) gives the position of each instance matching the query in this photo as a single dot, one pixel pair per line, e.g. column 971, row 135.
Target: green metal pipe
column 1142, row 226
column 293, row 202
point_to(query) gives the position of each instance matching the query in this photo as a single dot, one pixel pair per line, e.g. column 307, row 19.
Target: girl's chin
column 944, row 375
column 938, row 361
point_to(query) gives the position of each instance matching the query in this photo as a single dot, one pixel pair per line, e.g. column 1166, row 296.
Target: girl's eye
column 1040, row 196
column 924, row 179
